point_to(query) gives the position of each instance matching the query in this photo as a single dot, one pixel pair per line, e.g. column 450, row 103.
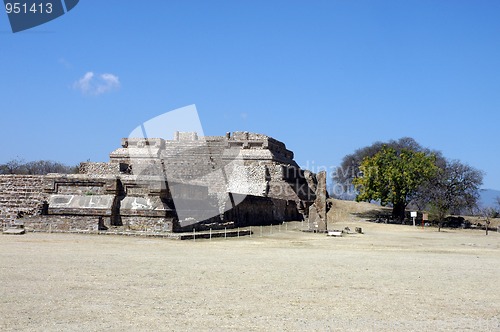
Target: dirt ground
column 391, row 278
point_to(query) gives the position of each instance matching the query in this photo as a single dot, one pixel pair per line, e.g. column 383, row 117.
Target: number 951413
column 23, row 8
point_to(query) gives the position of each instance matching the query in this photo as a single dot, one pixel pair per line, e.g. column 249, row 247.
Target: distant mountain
column 488, row 198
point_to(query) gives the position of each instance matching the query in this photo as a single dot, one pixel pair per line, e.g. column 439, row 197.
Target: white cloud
column 91, row 84
column 83, row 84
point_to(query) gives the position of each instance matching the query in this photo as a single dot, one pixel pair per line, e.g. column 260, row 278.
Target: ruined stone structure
column 153, row 184
column 20, row 195
column 319, row 210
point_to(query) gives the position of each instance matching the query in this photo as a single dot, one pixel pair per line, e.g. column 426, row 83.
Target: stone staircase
column 20, row 195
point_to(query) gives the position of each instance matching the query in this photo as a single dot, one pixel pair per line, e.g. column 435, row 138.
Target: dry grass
column 354, row 211
column 392, row 278
column 349, row 210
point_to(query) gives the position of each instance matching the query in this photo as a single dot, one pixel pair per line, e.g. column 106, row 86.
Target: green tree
column 349, row 169
column 394, row 176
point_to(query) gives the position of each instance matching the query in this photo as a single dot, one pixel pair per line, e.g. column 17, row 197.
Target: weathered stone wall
column 21, row 195
column 147, row 224
column 64, row 223
column 68, row 223
column 98, row 168
column 248, row 180
column 127, row 201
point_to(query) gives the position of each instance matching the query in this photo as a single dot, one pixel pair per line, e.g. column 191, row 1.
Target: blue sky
column 325, row 77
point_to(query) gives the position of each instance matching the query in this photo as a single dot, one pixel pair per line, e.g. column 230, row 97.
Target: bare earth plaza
column 392, row 278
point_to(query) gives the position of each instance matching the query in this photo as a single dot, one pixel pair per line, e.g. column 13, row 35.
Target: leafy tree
column 393, row 176
column 350, row 167
column 454, row 188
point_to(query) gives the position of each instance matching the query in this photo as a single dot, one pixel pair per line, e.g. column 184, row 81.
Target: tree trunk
column 398, row 211
column 441, row 216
